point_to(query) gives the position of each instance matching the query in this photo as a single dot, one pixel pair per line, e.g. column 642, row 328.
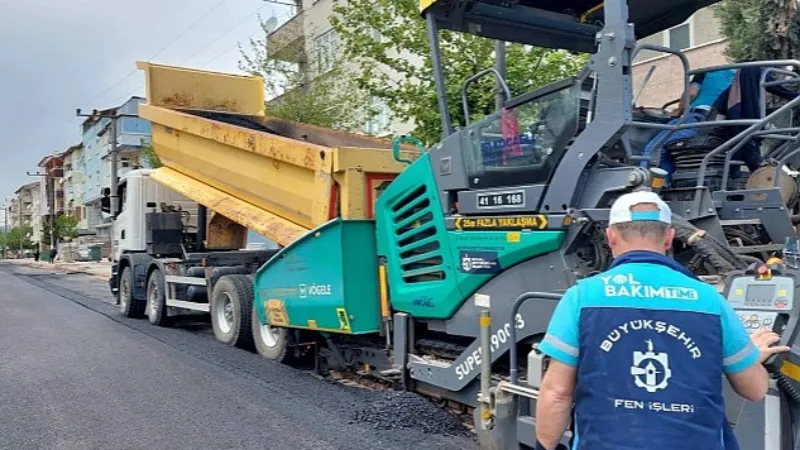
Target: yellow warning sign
column 344, row 320
column 782, row 293
column 276, row 313
column 501, row 223
column 739, row 291
column 513, row 238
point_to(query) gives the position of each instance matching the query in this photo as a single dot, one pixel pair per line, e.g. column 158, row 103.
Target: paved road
column 75, row 375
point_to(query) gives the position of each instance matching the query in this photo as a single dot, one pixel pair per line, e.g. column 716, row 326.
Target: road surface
column 76, row 375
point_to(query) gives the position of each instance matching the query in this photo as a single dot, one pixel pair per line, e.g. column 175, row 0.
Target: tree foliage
column 64, row 227
column 741, row 23
column 760, row 29
column 387, row 40
column 17, row 238
column 328, row 100
column 149, row 155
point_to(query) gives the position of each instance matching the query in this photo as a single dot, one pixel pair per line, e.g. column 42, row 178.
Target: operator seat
column 739, row 101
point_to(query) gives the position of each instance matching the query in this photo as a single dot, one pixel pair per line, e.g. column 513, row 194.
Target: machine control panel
column 761, row 302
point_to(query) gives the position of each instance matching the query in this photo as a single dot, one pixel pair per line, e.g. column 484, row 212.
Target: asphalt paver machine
column 438, row 271
column 564, row 152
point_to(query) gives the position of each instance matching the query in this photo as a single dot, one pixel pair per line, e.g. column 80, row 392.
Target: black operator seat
column 741, row 101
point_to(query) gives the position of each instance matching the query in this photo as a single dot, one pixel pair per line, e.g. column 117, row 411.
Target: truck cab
column 138, row 195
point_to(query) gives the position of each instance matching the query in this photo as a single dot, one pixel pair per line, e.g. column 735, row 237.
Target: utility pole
column 53, row 219
column 112, row 129
column 500, row 51
column 114, row 175
column 5, row 230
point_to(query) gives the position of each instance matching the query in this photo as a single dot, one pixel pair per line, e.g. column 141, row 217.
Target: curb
column 58, row 267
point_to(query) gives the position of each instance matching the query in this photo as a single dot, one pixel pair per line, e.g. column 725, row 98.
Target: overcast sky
column 56, row 56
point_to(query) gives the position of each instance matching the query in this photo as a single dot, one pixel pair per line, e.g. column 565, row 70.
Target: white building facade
column 309, row 40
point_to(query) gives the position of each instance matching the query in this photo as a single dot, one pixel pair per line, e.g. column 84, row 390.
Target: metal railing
column 755, row 127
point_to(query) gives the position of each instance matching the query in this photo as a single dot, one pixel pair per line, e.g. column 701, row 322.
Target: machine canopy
column 561, row 24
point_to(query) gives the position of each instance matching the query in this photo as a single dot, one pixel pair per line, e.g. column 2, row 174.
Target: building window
column 379, row 122
column 327, row 51
column 680, row 37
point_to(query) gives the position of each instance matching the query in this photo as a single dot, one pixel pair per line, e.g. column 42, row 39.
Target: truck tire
column 271, row 342
column 156, row 310
column 128, row 306
column 231, row 303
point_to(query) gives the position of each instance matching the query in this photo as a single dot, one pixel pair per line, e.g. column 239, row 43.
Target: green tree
column 17, row 238
column 742, row 24
column 149, row 155
column 760, row 29
column 64, row 227
column 384, row 38
column 331, row 99
column 67, row 227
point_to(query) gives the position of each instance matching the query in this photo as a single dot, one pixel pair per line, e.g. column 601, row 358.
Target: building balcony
column 287, row 42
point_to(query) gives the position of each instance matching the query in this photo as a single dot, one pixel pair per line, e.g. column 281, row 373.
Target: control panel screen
column 760, row 295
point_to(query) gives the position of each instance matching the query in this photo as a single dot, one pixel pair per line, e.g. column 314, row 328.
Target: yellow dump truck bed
column 275, row 177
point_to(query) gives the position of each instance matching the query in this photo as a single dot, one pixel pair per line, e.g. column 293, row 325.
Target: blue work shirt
column 651, row 344
column 712, row 85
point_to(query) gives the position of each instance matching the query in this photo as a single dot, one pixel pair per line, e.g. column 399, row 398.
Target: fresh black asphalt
column 76, row 375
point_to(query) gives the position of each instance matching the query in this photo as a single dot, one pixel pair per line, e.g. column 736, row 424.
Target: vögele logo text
column 315, row 290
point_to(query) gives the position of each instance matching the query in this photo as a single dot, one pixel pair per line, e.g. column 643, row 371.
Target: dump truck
column 437, row 270
column 220, row 152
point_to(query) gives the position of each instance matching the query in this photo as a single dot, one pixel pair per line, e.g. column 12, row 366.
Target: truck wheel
column 157, row 300
column 231, row 302
column 271, row 342
column 128, row 306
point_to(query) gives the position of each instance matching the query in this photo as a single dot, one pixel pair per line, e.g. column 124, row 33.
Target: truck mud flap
column 140, row 264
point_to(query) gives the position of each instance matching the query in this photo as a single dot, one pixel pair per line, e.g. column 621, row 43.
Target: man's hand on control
column 763, row 340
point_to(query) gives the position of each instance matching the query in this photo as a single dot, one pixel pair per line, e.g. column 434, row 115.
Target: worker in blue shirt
column 704, row 91
column 641, row 349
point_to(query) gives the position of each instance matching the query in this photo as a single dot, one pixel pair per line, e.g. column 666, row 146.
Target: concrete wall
column 707, row 49
column 666, row 84
column 703, row 28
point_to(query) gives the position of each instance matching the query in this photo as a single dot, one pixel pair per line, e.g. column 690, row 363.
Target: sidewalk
column 100, row 269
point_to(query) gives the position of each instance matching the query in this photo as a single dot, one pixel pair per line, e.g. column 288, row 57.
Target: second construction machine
column 389, row 254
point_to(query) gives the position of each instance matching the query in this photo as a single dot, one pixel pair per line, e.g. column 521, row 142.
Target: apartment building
column 132, row 134
column 74, row 166
column 13, row 213
column 27, row 209
column 26, row 204
column 701, row 41
column 308, row 40
column 51, row 193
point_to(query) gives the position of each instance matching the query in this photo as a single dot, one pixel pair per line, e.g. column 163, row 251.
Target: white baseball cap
column 621, row 209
